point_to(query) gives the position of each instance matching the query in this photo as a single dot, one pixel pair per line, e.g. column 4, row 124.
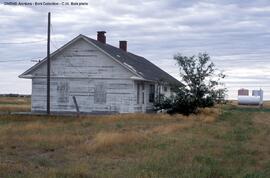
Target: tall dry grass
column 208, row 114
column 32, row 126
column 43, row 141
column 15, row 100
column 135, row 145
column 204, row 114
column 99, row 140
column 15, row 108
column 12, row 104
column 170, row 128
column 133, row 116
column 52, row 139
column 107, row 140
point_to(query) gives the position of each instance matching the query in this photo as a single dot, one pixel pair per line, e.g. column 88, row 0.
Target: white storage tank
column 255, row 99
column 249, row 100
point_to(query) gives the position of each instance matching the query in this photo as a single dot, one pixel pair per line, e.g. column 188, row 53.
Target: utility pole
column 48, row 64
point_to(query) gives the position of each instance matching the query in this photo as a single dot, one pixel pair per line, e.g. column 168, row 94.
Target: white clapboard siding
column 117, row 99
column 97, row 81
column 83, row 60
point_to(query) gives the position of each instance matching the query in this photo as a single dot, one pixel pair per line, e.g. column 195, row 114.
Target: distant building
column 243, row 92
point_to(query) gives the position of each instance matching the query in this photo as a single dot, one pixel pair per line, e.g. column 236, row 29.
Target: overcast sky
column 236, row 35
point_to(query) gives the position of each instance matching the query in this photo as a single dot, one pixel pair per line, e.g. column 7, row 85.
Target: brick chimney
column 101, row 36
column 123, row 45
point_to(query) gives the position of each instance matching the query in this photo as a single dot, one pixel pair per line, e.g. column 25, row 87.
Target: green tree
column 202, row 84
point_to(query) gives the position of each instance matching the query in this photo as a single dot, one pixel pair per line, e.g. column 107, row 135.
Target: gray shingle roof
column 142, row 66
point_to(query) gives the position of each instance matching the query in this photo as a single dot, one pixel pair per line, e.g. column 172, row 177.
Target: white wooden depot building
column 103, row 78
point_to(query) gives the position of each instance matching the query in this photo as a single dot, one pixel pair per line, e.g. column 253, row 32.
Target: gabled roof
column 136, row 64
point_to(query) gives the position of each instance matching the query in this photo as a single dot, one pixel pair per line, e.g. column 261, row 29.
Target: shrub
column 201, row 86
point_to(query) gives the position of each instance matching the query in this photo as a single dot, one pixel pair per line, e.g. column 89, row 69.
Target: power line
column 18, row 60
column 26, row 42
column 14, row 60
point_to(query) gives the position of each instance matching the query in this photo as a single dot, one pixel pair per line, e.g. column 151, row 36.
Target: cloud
column 234, row 33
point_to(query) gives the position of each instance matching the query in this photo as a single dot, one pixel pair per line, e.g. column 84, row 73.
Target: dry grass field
column 220, row 142
column 10, row 104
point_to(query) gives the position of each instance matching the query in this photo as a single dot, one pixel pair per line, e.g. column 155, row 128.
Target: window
column 165, row 89
column 100, row 94
column 63, row 92
column 152, row 93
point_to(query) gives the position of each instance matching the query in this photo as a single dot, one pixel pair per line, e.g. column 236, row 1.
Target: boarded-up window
column 100, row 94
column 63, row 92
column 152, row 93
